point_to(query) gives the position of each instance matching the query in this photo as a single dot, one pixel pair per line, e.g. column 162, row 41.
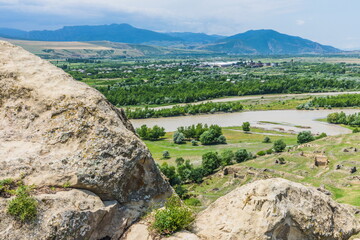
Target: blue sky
column 331, row 22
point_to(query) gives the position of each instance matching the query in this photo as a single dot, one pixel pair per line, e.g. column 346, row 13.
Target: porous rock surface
column 276, row 209
column 271, row 209
column 56, row 131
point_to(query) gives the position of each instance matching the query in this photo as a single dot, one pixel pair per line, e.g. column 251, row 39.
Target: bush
column 174, row 217
column 23, row 206
column 197, row 174
column 192, row 202
column 242, row 155
column 212, row 136
column 269, row 151
column 194, row 143
column 279, row 145
column 305, row 137
column 181, row 191
column 210, row 162
column 221, row 139
column 227, row 157
column 267, row 140
column 179, row 161
column 151, row 134
column 261, row 153
column 178, row 137
column 166, row 154
column 170, row 173
column 322, row 135
column 356, row 130
column 246, row 126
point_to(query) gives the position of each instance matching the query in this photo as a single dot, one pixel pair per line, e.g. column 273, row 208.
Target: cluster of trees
column 185, row 172
column 152, row 134
column 187, row 92
column 307, row 136
column 206, row 135
column 344, row 100
column 342, row 118
column 209, row 107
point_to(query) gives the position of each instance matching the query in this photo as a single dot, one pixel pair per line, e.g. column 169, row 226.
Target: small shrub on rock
column 174, row 217
column 23, row 207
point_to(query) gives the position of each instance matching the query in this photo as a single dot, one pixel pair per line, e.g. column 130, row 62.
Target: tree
column 179, row 161
column 212, row 136
column 151, row 134
column 185, row 170
column 221, row 139
column 304, row 137
column 246, row 126
column 279, row 145
column 241, row 155
column 166, row 154
column 227, row 157
column 156, row 132
column 267, row 140
column 142, row 131
column 170, row 173
column 178, row 137
column 210, row 162
column 197, row 174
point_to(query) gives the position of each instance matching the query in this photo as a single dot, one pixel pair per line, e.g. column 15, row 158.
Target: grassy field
column 299, row 167
column 236, row 139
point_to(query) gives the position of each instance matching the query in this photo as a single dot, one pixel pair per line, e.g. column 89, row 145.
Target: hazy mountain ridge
column 264, row 42
column 268, row 42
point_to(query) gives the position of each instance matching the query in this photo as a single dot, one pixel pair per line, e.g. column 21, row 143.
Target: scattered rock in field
column 353, row 170
column 350, row 149
column 280, row 160
column 321, row 161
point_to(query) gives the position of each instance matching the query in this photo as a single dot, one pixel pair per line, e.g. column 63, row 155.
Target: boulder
column 276, row 209
column 56, row 131
column 75, row 214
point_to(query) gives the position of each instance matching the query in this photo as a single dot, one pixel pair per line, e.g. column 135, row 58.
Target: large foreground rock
column 276, row 209
column 55, row 131
column 272, row 209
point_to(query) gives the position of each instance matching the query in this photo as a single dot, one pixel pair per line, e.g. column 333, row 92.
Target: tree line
column 187, row 92
column 188, row 109
column 342, row 118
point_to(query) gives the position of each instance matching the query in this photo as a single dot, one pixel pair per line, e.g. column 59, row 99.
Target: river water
column 287, row 120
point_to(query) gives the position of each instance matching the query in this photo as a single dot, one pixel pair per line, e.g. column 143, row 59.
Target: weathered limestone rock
column 75, row 214
column 276, row 209
column 55, row 131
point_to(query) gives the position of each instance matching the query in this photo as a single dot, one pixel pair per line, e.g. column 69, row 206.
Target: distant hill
column 256, row 42
column 267, row 42
column 97, row 49
column 196, row 37
column 12, row 33
column 114, row 33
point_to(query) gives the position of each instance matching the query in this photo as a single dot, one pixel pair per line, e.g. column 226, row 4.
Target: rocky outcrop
column 271, row 209
column 55, row 131
column 276, row 209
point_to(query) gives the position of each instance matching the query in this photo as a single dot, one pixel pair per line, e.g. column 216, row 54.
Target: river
column 288, row 120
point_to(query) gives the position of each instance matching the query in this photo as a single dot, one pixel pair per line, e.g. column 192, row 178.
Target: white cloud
column 300, row 22
column 185, row 13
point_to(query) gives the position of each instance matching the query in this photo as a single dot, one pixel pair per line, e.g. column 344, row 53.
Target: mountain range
column 264, row 42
